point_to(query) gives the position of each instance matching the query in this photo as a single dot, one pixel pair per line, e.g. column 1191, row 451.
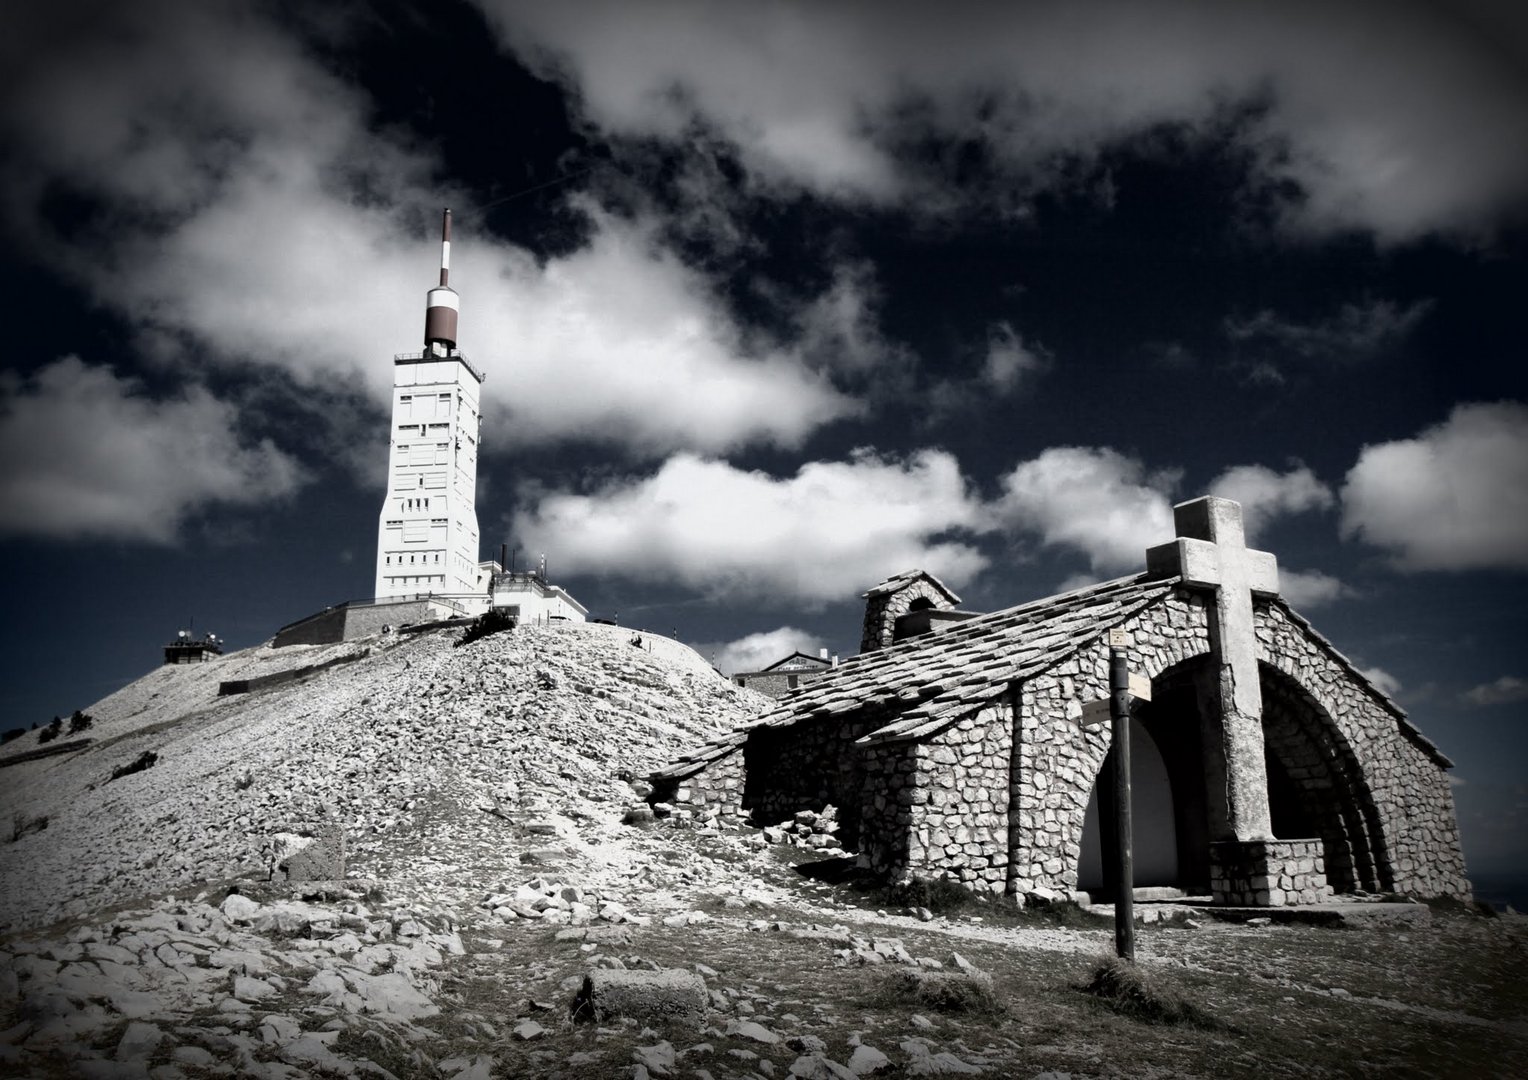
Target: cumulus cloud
column 840, row 328
column 1266, row 495
column 1385, row 682
column 1507, row 690
column 754, row 652
column 1310, row 588
column 832, row 529
column 1401, row 119
column 1356, row 331
column 93, row 455
column 1007, row 364
column 259, row 217
column 1009, row 360
column 1455, row 497
column 1093, row 500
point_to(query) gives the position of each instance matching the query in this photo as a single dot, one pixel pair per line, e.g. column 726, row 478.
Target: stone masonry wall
column 1407, row 787
column 717, row 785
column 1268, row 873
column 959, row 812
column 1059, row 760
column 893, row 779
column 809, row 765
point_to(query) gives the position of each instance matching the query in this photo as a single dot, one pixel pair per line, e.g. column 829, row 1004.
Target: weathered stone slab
column 671, row 994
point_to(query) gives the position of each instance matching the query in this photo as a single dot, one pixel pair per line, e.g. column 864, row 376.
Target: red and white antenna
column 442, row 304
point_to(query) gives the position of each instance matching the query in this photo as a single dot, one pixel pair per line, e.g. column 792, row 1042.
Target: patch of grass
column 493, row 621
column 1131, row 991
column 1067, row 913
column 968, row 993
column 1449, row 905
column 940, row 895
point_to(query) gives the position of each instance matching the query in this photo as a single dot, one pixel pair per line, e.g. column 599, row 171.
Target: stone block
column 670, row 994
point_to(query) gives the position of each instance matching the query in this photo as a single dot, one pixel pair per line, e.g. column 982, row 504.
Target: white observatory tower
column 427, row 537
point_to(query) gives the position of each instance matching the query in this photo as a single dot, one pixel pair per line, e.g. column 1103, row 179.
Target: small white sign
column 1097, row 710
column 1119, row 639
column 1094, row 712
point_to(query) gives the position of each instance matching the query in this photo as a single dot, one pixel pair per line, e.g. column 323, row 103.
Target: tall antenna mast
column 442, row 303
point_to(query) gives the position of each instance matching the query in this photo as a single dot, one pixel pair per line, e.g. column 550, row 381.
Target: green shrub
column 79, row 722
column 490, row 622
column 49, row 733
column 13, row 733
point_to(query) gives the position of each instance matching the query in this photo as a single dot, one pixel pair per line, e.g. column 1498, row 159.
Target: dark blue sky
column 776, row 300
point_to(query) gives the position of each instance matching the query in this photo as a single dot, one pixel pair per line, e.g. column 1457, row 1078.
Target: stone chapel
column 1267, row 769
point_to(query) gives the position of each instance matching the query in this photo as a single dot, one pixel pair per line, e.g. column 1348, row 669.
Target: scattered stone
column 658, row 1060
column 921, row 1061
column 526, row 1030
column 866, row 1060
column 139, row 1041
column 820, row 1067
column 240, row 909
column 752, row 1029
column 248, row 989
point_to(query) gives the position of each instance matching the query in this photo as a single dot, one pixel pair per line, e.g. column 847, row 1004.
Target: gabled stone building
column 786, row 674
column 1268, row 770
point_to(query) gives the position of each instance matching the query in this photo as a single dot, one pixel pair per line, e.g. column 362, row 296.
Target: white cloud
column 1006, row 366
column 757, row 651
column 1310, row 588
column 1507, row 690
column 92, row 455
column 1455, row 497
column 840, row 329
column 1357, row 330
column 1400, row 119
column 1009, row 361
column 1385, row 682
column 1265, row 495
column 259, row 218
column 1093, row 500
column 831, row 530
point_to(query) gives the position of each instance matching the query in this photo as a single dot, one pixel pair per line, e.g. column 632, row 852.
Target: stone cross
column 1211, row 552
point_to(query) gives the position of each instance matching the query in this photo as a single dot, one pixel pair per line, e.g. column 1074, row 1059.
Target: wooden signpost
column 1119, row 710
column 1123, row 685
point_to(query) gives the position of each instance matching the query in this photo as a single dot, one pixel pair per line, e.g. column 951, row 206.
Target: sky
column 776, row 300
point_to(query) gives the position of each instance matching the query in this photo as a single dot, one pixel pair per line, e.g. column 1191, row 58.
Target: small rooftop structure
column 530, row 598
column 185, row 649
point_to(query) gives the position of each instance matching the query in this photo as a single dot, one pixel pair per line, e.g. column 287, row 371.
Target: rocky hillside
column 443, row 765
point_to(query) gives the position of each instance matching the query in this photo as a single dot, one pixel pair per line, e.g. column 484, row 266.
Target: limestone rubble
column 440, row 763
